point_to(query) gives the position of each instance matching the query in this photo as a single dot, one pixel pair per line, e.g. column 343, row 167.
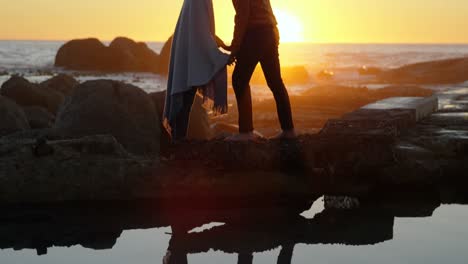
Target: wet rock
column 41, row 148
column 38, row 117
column 316, row 106
column 62, row 83
column 25, row 93
column 432, row 72
column 93, row 168
column 115, row 108
column 12, row 117
column 122, row 55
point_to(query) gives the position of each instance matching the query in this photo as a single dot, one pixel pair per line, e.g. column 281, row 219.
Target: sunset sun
column 290, row 27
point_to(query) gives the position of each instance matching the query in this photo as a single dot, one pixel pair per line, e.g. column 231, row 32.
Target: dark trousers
column 180, row 125
column 260, row 45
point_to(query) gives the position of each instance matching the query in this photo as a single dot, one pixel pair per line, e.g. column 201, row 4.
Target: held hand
column 232, row 60
column 226, row 47
column 221, row 44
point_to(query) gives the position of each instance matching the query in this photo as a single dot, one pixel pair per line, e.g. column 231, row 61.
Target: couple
column 198, row 64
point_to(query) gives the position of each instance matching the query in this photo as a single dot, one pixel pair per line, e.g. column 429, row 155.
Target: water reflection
column 243, row 232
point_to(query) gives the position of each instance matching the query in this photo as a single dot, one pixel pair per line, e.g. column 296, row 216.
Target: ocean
column 35, row 60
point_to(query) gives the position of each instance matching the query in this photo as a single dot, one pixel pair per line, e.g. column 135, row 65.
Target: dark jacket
column 250, row 14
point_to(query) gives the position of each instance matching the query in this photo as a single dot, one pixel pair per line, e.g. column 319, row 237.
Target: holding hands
column 221, row 44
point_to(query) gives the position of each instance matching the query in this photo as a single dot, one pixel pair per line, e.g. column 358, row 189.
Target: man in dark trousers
column 256, row 39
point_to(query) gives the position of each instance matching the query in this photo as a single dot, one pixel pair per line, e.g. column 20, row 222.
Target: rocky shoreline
column 106, row 144
column 63, row 141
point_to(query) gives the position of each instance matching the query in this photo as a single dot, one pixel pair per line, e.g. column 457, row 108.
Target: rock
column 314, row 107
column 165, row 57
column 62, row 83
column 134, row 56
column 83, row 54
column 122, row 55
column 25, row 93
column 115, row 108
column 38, row 117
column 12, row 117
column 364, row 70
column 159, row 99
column 325, row 75
column 199, row 124
column 93, row 168
column 433, row 72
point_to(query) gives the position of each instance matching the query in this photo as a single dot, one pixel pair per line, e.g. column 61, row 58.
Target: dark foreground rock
column 398, row 157
column 122, row 55
column 94, row 168
column 110, row 107
column 12, row 117
column 39, row 117
column 61, row 83
column 25, row 93
column 448, row 71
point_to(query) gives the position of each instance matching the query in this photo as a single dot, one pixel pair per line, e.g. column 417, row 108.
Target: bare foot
column 290, row 134
column 244, row 137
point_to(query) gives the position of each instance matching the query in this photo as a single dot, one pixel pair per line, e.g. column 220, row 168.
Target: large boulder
column 116, row 108
column 122, row 55
column 25, row 93
column 62, row 83
column 134, row 56
column 83, row 54
column 38, row 117
column 434, row 72
column 12, row 117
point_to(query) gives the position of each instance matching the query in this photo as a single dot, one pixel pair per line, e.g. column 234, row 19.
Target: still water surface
column 317, row 236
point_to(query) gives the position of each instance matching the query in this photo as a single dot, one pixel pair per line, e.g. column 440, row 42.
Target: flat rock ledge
column 358, row 155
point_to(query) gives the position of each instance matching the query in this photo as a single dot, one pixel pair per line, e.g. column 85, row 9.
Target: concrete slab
column 422, row 106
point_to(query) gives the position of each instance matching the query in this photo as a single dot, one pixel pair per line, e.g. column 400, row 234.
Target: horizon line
column 293, row 42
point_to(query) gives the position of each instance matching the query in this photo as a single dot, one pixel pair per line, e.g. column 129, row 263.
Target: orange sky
column 369, row 21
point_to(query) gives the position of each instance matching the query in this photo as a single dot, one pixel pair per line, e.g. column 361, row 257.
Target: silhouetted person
column 176, row 253
column 196, row 64
column 286, row 254
column 256, row 40
column 245, row 258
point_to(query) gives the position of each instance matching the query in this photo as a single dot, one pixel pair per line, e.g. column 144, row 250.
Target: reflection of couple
column 197, row 63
